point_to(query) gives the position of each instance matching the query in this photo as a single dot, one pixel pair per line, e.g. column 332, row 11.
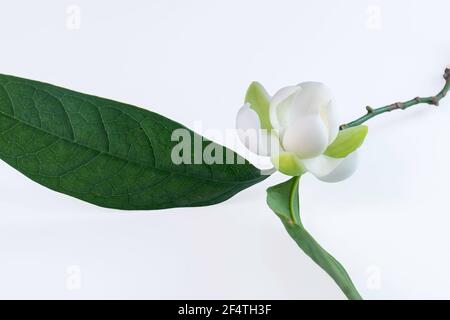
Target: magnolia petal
column 312, row 97
column 257, row 140
column 316, row 98
column 268, row 143
column 261, row 142
column 329, row 116
column 332, row 169
column 247, row 125
column 280, row 106
column 322, row 165
column 344, row 170
column 307, row 137
column 247, row 118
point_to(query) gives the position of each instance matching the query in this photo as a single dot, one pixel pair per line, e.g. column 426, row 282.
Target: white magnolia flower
column 295, row 128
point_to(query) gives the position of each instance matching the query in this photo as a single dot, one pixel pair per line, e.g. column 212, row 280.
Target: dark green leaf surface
column 105, row 152
column 283, row 200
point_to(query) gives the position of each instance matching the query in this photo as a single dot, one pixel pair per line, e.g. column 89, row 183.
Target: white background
column 192, row 61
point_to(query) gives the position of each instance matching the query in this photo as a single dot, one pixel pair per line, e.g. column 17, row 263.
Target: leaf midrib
column 127, row 160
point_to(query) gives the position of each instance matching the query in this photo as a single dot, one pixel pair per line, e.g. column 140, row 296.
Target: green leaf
column 283, row 200
column 259, row 101
column 347, row 141
column 108, row 153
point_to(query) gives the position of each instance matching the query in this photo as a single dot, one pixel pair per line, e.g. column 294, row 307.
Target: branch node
column 447, row 74
column 417, row 99
column 435, row 101
column 395, row 106
column 369, row 109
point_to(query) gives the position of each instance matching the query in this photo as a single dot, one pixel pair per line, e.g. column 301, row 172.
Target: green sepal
column 288, row 163
column 347, row 141
column 259, row 100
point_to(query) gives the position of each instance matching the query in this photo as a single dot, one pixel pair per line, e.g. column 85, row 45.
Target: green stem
column 293, row 202
column 283, row 199
column 433, row 100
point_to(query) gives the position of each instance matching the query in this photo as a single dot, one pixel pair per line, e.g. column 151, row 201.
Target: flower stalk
column 433, row 100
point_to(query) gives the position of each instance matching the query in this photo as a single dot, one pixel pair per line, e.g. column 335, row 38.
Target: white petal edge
column 257, row 140
column 278, row 106
column 331, row 120
column 329, row 169
column 312, row 97
column 247, row 118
